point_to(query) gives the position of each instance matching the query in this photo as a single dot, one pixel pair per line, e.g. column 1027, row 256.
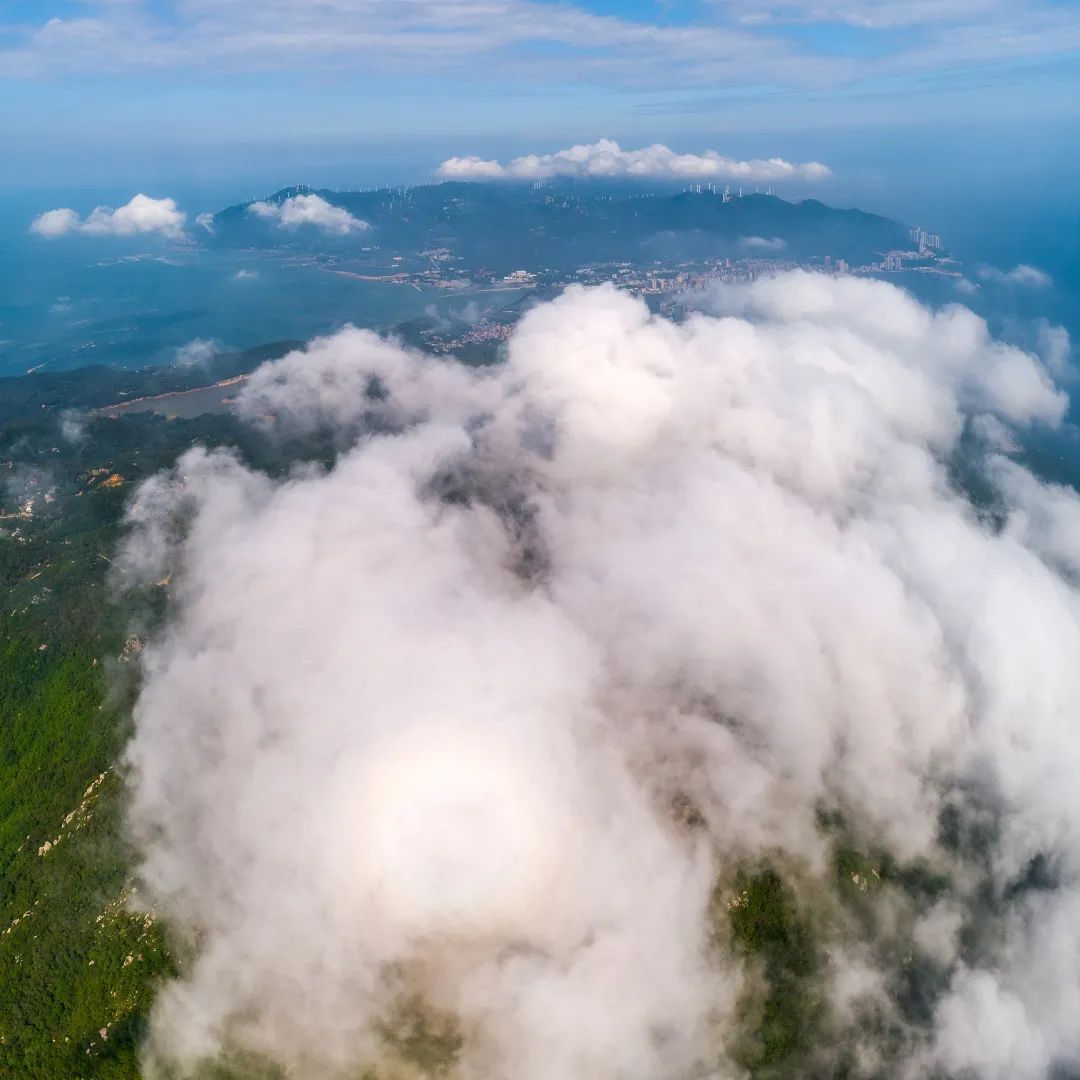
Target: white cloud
column 1022, row 274
column 55, row 223
column 542, row 43
column 245, row 275
column 472, row 168
column 140, row 216
column 309, row 210
column 205, row 221
column 418, row 720
column 73, row 427
column 197, row 352
column 763, row 243
column 1054, row 347
column 607, row 158
column 870, row 14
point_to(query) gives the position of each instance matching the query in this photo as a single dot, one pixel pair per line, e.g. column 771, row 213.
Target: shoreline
column 149, row 398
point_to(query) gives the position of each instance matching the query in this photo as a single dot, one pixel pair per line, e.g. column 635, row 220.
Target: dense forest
column 79, row 957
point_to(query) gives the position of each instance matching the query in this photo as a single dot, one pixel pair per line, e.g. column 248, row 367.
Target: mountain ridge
column 503, row 226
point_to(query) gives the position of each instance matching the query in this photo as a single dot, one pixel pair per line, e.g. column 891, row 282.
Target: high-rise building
column 924, row 241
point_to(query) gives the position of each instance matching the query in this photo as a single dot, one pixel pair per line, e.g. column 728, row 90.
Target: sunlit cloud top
column 607, row 158
column 309, row 210
column 142, row 214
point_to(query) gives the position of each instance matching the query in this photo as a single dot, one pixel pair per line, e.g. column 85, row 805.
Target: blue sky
column 131, row 94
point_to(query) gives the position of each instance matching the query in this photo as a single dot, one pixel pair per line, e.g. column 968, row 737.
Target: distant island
column 499, row 246
column 476, row 233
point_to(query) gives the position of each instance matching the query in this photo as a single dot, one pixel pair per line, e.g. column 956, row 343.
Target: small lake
column 183, row 403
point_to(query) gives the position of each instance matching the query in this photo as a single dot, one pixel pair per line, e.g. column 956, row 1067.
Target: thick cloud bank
column 483, row 720
column 607, row 158
column 141, row 215
column 309, row 210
